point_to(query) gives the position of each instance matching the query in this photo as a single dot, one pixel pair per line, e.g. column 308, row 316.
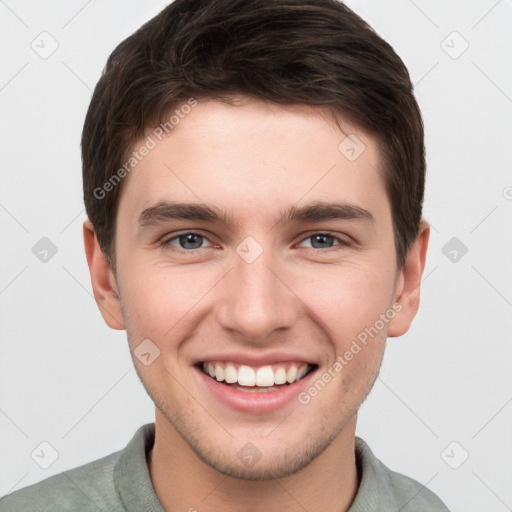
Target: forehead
column 257, row 156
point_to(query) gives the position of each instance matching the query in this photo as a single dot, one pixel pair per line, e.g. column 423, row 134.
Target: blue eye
column 190, row 241
column 321, row 239
column 187, row 241
column 324, row 240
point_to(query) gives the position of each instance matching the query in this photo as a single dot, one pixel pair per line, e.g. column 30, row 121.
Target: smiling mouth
column 256, row 379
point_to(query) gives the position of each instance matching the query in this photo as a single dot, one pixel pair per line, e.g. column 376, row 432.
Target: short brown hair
column 314, row 52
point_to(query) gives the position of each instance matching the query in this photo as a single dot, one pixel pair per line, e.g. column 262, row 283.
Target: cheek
column 160, row 300
column 165, row 302
column 348, row 301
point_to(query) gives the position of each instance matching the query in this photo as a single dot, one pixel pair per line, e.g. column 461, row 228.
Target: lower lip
column 253, row 401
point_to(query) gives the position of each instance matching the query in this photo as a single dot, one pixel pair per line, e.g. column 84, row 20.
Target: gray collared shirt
column 121, row 482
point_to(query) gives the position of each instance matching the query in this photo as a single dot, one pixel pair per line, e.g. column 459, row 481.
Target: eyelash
column 341, row 242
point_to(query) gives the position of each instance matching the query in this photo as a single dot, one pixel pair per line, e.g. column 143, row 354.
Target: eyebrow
column 313, row 212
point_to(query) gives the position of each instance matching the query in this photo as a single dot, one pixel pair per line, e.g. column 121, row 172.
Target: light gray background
column 68, row 380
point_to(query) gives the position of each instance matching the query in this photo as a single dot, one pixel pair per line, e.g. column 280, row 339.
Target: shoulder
column 104, row 484
column 414, row 496
column 86, row 488
column 380, row 485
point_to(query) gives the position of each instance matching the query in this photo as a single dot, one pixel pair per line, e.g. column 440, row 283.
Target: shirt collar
column 375, row 490
column 131, row 474
column 135, row 488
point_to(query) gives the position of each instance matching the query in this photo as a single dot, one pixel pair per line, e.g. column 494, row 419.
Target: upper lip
column 256, row 360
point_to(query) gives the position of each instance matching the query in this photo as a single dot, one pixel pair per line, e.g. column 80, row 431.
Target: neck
column 184, row 482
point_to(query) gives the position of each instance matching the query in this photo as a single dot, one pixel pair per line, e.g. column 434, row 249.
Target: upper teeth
column 263, row 376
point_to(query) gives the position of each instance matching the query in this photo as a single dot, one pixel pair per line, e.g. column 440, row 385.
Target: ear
column 408, row 282
column 103, row 281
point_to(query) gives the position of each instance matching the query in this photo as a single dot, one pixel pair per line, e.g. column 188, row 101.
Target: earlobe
column 103, row 281
column 408, row 283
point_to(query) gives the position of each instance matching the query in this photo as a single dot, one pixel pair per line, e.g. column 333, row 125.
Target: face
column 251, row 254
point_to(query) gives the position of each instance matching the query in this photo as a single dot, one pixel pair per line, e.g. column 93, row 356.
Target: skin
column 253, row 160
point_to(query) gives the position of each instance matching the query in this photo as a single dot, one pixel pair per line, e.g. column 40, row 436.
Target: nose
column 257, row 299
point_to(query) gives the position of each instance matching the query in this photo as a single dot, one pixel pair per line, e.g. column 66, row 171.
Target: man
column 253, row 177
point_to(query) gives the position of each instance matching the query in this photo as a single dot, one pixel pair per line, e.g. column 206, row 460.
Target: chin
column 262, row 467
column 254, row 458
